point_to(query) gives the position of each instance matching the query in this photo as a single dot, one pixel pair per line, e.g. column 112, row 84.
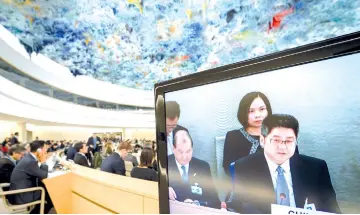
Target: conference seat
column 23, row 208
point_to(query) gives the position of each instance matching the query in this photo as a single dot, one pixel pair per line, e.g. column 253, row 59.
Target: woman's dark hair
column 146, row 157
column 245, row 103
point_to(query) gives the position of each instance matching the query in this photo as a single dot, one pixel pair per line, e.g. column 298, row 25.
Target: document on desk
column 186, row 208
column 51, row 162
column 56, row 173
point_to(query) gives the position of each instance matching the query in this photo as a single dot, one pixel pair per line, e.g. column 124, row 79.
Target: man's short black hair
column 16, row 149
column 78, row 146
column 279, row 121
column 245, row 103
column 37, row 144
column 16, row 133
column 187, row 134
column 172, row 109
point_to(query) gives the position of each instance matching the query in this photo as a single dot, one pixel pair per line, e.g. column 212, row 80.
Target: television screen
column 285, row 140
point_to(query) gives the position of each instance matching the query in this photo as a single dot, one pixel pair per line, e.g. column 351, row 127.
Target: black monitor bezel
column 331, row 48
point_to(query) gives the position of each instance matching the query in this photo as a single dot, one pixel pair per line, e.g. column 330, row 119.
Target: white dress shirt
column 170, row 144
column 181, row 170
column 287, row 173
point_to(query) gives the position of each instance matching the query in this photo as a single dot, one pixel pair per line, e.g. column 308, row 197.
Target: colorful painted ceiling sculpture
column 136, row 43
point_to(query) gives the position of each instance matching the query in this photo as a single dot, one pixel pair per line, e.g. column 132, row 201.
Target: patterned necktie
column 184, row 176
column 282, row 190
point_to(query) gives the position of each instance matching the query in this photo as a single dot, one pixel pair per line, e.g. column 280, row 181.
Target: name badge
column 196, row 189
column 308, row 206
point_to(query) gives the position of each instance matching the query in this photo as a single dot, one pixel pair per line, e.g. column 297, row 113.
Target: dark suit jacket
column 27, row 174
column 91, row 142
column 114, row 164
column 132, row 159
column 254, row 191
column 199, row 172
column 14, row 140
column 236, row 146
column 70, row 155
column 81, row 160
column 6, row 168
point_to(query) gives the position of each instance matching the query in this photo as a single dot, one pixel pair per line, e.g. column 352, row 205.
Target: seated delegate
column 8, row 162
column 115, row 162
column 144, row 170
column 279, row 175
column 80, row 157
column 190, row 178
column 71, row 152
column 28, row 173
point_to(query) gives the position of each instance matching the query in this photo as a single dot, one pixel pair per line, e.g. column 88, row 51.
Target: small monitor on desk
column 282, row 129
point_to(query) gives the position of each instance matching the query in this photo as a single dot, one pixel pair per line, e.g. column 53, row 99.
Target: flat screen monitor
column 278, row 134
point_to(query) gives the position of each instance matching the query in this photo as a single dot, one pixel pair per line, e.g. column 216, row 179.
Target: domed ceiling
column 136, row 43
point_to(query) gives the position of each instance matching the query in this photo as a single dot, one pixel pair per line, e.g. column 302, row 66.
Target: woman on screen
column 253, row 108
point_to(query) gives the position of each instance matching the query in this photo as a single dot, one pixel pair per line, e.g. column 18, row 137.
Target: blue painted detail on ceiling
column 136, row 43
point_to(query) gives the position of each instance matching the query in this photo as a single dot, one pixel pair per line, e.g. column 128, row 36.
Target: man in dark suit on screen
column 280, row 176
column 172, row 119
column 190, row 178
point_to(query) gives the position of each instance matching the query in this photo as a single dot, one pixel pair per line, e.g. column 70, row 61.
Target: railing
column 20, row 102
column 15, row 76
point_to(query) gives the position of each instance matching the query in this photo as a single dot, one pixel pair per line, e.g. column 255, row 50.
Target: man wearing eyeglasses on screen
column 278, row 176
column 190, row 178
column 172, row 118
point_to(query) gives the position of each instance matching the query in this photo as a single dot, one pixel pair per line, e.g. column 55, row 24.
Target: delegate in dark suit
column 81, row 160
column 199, row 172
column 71, row 152
column 254, row 190
column 6, row 168
column 26, row 175
column 113, row 164
column 14, row 140
column 90, row 142
column 237, row 146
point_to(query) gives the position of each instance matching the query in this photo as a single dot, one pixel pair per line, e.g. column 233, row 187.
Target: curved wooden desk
column 89, row 191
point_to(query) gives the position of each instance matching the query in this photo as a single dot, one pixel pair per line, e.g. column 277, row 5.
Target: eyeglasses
column 278, row 141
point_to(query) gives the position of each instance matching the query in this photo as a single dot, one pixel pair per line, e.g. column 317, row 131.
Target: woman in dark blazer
column 239, row 143
column 253, row 108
